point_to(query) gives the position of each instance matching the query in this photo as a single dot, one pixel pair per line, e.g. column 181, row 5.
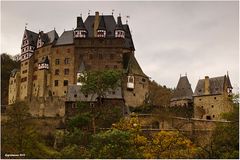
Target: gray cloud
column 171, row 38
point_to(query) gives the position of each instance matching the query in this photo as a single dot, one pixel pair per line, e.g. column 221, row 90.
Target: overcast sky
column 170, row 38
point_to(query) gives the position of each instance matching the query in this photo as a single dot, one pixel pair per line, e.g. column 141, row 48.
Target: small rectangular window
column 65, row 83
column 57, row 61
column 57, row 72
column 56, row 83
column 66, row 61
column 66, row 71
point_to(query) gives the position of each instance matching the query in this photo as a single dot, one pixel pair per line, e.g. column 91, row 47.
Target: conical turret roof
column 102, row 25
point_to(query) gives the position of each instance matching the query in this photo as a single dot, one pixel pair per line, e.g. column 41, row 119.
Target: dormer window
column 80, row 34
column 101, row 33
column 119, row 34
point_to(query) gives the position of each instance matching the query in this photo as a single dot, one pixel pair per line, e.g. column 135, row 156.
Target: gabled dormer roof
column 183, row 90
column 102, row 25
column 49, row 37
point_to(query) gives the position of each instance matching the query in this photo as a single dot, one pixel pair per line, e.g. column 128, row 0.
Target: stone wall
column 136, row 96
column 47, row 107
column 211, row 106
column 13, row 91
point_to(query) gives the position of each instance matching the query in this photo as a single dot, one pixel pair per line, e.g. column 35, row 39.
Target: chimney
column 96, row 23
column 206, row 85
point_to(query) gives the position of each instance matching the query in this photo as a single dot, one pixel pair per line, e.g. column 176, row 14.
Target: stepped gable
column 32, row 37
column 183, row 90
column 66, row 38
column 216, row 85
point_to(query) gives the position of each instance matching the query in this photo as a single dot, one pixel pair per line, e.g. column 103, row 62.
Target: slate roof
column 65, row 38
column 216, row 85
column 128, row 37
column 106, row 22
column 183, row 90
column 74, row 94
column 52, row 36
column 32, row 37
column 131, row 65
column 119, row 23
column 109, row 22
column 102, row 25
column 44, row 60
column 80, row 24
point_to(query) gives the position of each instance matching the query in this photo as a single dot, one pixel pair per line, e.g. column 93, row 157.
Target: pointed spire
column 119, row 25
column 80, row 24
column 102, row 25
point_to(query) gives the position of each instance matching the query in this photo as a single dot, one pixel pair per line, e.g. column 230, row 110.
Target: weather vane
column 89, row 12
column 26, row 25
column 113, row 11
column 128, row 17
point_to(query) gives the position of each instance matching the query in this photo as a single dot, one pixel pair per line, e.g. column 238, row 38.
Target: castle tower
column 182, row 96
column 80, row 31
column 119, row 31
column 29, row 42
column 101, row 30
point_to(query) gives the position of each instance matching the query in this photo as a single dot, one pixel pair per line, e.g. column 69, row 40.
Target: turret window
column 119, row 34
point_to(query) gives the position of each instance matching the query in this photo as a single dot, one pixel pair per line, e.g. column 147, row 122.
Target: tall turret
column 101, row 31
column 80, row 31
column 119, row 31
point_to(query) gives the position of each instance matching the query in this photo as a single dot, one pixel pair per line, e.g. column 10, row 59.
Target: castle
column 51, row 65
column 209, row 100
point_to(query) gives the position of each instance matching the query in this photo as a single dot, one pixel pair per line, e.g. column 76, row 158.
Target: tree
column 114, row 144
column 170, row 144
column 99, row 83
column 7, row 65
column 159, row 95
column 20, row 137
